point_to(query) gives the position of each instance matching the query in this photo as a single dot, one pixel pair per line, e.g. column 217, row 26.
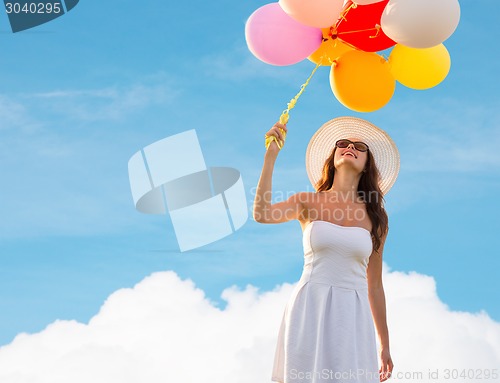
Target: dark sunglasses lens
column 361, row 146
column 343, row 143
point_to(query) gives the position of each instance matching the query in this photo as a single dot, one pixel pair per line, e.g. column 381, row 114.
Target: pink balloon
column 277, row 39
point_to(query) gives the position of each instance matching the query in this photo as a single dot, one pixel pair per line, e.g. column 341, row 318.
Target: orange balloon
column 329, row 50
column 362, row 81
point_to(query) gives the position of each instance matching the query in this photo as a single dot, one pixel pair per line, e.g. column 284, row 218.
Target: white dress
column 327, row 332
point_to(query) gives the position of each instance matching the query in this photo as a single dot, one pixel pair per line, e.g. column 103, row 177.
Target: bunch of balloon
column 420, row 60
column 348, row 36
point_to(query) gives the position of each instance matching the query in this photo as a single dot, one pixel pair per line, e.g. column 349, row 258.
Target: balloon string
column 345, row 12
column 285, row 115
column 377, row 28
column 342, row 17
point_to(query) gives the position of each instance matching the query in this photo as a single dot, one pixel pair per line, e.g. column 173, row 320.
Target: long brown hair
column 368, row 190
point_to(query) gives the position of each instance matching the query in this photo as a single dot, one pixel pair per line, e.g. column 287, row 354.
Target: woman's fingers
column 282, row 126
column 279, row 135
column 278, row 129
column 390, row 366
column 275, row 131
column 278, row 132
column 386, row 370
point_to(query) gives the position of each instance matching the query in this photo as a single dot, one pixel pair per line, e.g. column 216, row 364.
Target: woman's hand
column 276, row 132
column 386, row 367
column 264, row 211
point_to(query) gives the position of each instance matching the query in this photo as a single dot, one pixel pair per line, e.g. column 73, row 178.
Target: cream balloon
column 366, row 2
column 420, row 23
column 315, row 13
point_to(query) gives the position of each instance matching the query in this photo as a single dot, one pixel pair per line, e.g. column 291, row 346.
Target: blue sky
column 80, row 95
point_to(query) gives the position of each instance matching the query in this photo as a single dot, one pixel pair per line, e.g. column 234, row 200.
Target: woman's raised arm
column 263, row 210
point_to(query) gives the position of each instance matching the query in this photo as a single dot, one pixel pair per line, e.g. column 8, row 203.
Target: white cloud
column 239, row 64
column 445, row 145
column 63, row 157
column 448, row 137
column 15, row 116
column 426, row 334
column 110, row 103
column 55, row 184
column 165, row 329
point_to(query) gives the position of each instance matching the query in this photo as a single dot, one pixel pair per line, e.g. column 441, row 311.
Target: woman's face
column 350, row 156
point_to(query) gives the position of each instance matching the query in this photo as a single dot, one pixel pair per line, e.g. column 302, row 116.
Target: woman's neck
column 346, row 184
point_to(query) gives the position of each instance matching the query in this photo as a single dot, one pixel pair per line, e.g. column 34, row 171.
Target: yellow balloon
column 331, row 49
column 420, row 68
column 362, row 81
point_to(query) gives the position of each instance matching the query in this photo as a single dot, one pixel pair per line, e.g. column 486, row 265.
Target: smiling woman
column 328, row 322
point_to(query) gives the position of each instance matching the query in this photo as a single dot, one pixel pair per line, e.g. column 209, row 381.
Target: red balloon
column 360, row 27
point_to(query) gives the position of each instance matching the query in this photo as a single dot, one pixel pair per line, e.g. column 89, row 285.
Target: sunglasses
column 358, row 145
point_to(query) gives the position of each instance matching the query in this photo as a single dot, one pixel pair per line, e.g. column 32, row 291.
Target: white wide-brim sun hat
column 381, row 145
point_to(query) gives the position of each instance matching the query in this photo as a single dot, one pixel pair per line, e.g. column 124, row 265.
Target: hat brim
column 382, row 147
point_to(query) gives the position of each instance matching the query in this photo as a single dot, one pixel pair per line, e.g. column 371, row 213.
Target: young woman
column 327, row 333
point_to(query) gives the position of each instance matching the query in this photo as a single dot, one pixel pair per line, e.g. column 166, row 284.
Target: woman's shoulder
column 305, row 196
